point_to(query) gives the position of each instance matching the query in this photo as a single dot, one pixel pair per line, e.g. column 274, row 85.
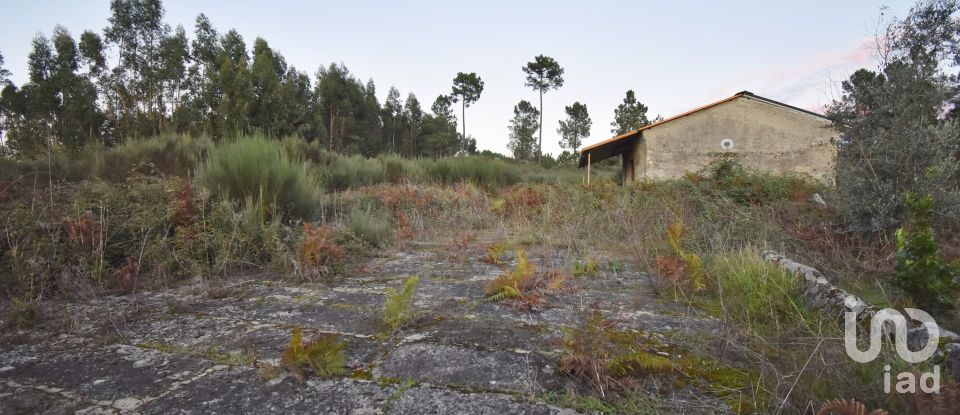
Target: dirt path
column 190, row 350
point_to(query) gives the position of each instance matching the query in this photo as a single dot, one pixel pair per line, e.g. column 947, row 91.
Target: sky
column 675, row 55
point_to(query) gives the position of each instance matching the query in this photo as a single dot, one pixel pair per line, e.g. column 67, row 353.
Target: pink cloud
column 809, row 83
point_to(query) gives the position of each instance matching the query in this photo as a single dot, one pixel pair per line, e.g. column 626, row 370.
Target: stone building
column 763, row 134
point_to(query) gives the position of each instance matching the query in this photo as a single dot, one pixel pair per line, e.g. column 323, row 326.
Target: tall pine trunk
column 540, row 140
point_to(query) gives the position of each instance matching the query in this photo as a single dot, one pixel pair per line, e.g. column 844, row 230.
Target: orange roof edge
column 700, row 108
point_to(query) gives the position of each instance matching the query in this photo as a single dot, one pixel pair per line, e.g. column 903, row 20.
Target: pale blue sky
column 675, row 55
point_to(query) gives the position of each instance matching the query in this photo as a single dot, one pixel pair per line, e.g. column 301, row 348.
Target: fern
column 495, row 253
column 509, row 285
column 698, row 277
column 626, row 364
column 324, row 355
column 847, row 407
column 692, row 264
column 675, row 233
column 398, row 307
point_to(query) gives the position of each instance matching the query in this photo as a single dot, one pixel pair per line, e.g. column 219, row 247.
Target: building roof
column 617, row 145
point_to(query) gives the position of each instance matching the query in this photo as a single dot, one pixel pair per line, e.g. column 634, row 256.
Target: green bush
column 257, row 170
column 742, row 185
column 481, row 171
column 370, row 228
column 920, row 270
column 165, row 155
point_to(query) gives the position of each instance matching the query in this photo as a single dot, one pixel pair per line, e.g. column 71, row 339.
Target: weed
column 22, row 314
column 921, row 272
column 685, row 267
column 524, row 288
column 370, row 228
column 402, row 387
column 754, row 292
column 323, row 354
column 847, row 407
column 616, row 266
column 587, row 268
column 233, row 357
column 398, row 306
column 462, row 239
column 602, row 358
column 494, row 253
column 268, row 371
column 318, row 254
column 523, row 201
column 508, row 285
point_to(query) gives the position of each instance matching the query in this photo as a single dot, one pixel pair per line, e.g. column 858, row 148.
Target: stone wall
column 819, row 294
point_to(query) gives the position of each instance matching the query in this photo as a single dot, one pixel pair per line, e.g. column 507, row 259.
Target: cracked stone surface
column 193, row 349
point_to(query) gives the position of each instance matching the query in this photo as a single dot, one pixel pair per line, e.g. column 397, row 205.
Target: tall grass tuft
column 370, row 228
column 258, row 169
column 756, row 293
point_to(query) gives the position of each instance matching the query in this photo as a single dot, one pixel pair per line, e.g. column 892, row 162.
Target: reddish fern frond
column 847, row 407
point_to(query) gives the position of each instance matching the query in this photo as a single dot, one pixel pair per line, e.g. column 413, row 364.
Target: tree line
column 140, row 77
column 213, row 84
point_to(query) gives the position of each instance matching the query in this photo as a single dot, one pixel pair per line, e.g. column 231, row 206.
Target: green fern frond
column 695, row 270
column 628, row 363
column 508, row 285
column 503, row 293
column 398, row 307
column 325, row 355
column 675, row 235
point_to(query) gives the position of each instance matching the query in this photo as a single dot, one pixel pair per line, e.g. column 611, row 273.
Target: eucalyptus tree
column 4, row 83
column 4, row 73
column 57, row 107
column 543, row 74
column 232, row 110
column 392, row 113
column 413, row 115
column 266, row 110
column 137, row 31
column 467, row 88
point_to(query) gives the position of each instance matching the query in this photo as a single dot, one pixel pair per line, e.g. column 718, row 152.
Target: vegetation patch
column 324, row 355
column 398, row 307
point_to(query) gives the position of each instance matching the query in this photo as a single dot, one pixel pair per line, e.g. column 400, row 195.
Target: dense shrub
column 921, row 272
column 255, row 170
column 166, row 155
column 370, row 227
column 484, row 172
column 728, row 177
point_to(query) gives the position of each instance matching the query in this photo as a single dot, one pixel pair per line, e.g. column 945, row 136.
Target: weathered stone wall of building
column 766, row 137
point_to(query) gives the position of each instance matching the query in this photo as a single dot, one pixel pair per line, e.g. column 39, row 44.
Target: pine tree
column 467, row 88
column 629, row 116
column 523, row 126
column 543, row 74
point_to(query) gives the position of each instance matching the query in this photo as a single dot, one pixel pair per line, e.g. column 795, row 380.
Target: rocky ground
column 196, row 349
